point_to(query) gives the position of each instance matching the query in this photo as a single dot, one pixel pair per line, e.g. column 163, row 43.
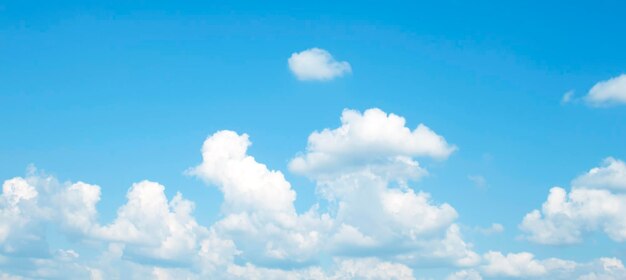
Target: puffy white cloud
column 152, row 227
column 512, row 265
column 372, row 141
column 258, row 204
column 611, row 91
column 611, row 175
column 317, row 64
column 589, row 206
column 28, row 205
column 374, row 226
column 565, row 217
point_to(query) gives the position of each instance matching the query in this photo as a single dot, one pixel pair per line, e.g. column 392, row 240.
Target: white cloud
column 611, row 175
column 152, row 227
column 354, row 167
column 258, row 204
column 565, row 217
column 372, row 141
column 590, row 206
column 609, row 92
column 512, row 265
column 317, row 64
column 524, row 265
column 375, row 225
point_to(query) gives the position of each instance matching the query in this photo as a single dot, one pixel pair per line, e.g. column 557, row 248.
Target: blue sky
column 117, row 93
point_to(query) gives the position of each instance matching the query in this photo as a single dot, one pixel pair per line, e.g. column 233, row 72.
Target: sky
column 313, row 140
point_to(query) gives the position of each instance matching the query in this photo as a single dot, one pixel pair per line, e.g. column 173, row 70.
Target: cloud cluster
column 374, row 225
column 594, row 203
column 157, row 236
column 524, row 265
column 317, row 64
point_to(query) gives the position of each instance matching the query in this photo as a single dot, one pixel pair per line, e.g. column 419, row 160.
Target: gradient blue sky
column 118, row 92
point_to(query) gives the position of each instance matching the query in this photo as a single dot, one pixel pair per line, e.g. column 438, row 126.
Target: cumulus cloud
column 610, row 175
column 512, row 265
column 374, row 225
column 372, row 141
column 317, row 64
column 591, row 205
column 258, row 203
column 609, row 92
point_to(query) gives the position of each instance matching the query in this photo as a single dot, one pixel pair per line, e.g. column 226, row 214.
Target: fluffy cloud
column 611, row 175
column 524, row 265
column 317, row 64
column 565, row 217
column 591, row 205
column 258, row 203
column 373, row 142
column 355, row 166
column 512, row 265
column 373, row 225
column 611, row 91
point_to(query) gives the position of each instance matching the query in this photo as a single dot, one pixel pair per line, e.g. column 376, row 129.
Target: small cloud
column 609, row 92
column 317, row 65
column 568, row 97
column 478, row 180
column 493, row 229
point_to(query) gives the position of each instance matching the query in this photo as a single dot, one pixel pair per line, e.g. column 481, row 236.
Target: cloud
column 258, row 203
column 609, row 92
column 512, row 265
column 362, row 168
column 374, row 142
column 317, row 64
column 611, row 175
column 524, row 265
column 591, row 205
column 568, row 97
column 373, row 223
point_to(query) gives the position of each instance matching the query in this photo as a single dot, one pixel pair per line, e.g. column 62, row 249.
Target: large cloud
column 354, row 167
column 373, row 225
column 258, row 204
column 609, row 92
column 591, row 205
column 317, row 64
